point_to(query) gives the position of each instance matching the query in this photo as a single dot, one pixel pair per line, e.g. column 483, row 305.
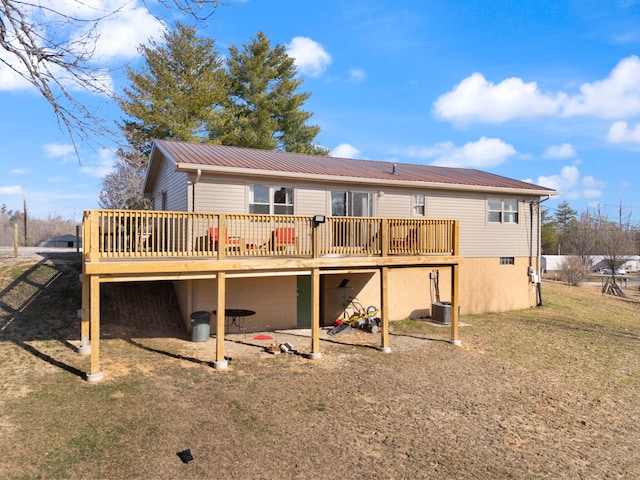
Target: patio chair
column 232, row 243
column 283, row 238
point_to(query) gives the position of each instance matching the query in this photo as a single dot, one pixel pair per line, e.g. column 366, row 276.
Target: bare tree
column 581, row 238
column 122, row 188
column 52, row 45
column 573, row 270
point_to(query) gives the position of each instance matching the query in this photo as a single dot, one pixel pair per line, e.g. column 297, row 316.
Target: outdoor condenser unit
column 441, row 312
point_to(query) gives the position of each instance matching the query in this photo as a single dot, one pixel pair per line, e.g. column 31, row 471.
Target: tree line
column 581, row 236
column 31, row 231
column 186, row 90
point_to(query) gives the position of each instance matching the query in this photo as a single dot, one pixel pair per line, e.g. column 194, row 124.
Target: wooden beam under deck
column 183, row 269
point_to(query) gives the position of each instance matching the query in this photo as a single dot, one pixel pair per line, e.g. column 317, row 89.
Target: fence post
column 15, row 240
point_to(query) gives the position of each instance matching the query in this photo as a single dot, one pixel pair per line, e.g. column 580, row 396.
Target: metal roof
column 208, row 157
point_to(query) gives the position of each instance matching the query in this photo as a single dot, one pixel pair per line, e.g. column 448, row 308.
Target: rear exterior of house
column 498, row 233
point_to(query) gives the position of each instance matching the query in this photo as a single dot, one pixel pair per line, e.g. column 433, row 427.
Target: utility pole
column 24, row 206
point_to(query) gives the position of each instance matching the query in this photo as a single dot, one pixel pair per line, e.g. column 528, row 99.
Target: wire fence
column 38, row 232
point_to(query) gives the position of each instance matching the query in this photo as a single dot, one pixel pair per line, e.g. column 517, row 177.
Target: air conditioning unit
column 441, row 312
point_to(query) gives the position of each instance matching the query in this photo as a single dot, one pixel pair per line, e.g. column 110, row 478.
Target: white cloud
column 11, row 190
column 357, row 75
column 100, row 166
column 484, row 153
column 620, row 132
column 20, row 171
column 310, row 57
column 617, row 96
column 562, row 151
column 120, row 35
column 571, row 185
column 475, row 99
column 57, row 150
column 344, row 150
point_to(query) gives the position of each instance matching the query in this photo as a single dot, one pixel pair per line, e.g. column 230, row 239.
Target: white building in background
column 553, row 262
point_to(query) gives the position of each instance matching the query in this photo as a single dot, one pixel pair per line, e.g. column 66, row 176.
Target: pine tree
column 263, row 109
column 176, row 93
column 565, row 217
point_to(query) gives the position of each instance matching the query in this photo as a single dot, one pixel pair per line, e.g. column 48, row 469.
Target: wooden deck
column 151, row 234
column 128, row 245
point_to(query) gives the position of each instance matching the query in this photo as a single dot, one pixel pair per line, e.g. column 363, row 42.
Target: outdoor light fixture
column 318, row 219
column 381, row 193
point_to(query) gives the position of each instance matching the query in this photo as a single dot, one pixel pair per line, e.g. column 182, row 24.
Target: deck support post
column 85, row 347
column 454, row 305
column 95, row 373
column 315, row 314
column 384, row 309
column 220, row 362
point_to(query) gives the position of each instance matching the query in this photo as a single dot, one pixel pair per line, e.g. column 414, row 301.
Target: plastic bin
column 200, row 326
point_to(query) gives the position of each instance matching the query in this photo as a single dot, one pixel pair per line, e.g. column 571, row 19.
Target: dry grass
column 549, row 392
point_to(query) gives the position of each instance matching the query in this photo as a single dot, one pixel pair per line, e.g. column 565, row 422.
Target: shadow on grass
column 26, row 303
column 337, row 340
column 419, row 337
column 172, row 355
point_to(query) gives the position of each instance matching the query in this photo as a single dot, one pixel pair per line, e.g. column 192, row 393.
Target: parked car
column 607, row 271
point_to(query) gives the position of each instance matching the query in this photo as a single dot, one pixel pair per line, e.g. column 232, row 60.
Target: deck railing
column 139, row 234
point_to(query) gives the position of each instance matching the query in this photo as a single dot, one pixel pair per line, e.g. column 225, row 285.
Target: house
column 62, row 241
column 293, row 237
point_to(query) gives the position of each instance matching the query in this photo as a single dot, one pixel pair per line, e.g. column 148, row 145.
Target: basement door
column 304, row 301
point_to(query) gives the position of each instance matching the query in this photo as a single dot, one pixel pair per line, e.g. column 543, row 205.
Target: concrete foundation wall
column 484, row 284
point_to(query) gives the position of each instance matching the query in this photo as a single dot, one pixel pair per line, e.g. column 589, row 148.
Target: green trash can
column 200, row 326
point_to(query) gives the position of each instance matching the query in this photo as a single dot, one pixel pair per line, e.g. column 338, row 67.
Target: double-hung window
column 267, row 199
column 419, row 205
column 502, row 210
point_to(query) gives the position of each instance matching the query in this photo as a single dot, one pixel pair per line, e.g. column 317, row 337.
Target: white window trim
column 414, row 205
column 503, row 211
column 271, row 204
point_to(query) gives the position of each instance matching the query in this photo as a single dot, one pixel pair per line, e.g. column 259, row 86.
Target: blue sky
column 542, row 91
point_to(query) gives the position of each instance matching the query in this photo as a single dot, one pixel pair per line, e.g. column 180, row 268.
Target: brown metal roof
column 187, row 154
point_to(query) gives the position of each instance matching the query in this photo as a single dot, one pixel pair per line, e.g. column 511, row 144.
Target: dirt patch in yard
column 550, row 392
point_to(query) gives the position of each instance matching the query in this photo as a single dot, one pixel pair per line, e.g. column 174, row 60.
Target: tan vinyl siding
column 174, row 184
column 311, row 200
column 226, row 195
column 479, row 238
column 396, row 204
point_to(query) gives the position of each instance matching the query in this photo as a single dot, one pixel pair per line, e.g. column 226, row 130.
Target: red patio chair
column 234, row 243
column 284, row 238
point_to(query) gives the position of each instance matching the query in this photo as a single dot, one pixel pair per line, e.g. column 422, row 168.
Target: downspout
column 191, row 291
column 193, row 190
column 539, row 253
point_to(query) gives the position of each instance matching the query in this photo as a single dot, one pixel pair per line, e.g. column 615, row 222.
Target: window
column 507, row 261
column 265, row 199
column 502, row 211
column 163, row 200
column 283, row 201
column 419, row 205
column 351, row 204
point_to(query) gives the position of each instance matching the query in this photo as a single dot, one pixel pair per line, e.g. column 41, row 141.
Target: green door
column 304, row 301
